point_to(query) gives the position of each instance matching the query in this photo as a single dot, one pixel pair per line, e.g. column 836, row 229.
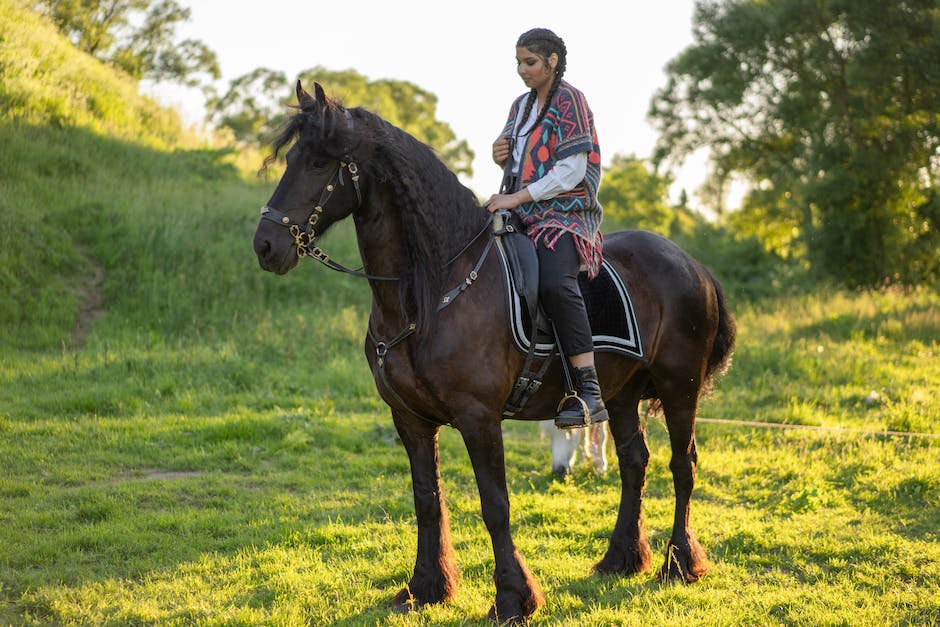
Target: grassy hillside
column 89, row 171
column 45, row 81
column 188, row 440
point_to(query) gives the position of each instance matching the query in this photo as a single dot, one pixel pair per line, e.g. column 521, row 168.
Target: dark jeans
column 561, row 297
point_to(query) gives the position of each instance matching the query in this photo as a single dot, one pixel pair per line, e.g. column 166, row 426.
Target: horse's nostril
column 263, row 248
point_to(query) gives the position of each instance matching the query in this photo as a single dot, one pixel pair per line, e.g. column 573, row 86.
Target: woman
column 549, row 152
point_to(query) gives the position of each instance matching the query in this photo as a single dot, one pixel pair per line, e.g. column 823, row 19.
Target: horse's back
column 640, row 253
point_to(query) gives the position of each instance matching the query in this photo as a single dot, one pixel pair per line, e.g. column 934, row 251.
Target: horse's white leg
column 598, row 444
column 564, row 447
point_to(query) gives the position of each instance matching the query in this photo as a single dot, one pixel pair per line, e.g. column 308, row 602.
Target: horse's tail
column 723, row 346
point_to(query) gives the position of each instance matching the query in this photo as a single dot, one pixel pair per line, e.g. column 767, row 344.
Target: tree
column 634, row 197
column 257, row 103
column 254, row 106
column 831, row 109
column 137, row 36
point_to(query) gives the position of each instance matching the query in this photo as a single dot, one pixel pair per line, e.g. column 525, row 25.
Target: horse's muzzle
column 279, row 259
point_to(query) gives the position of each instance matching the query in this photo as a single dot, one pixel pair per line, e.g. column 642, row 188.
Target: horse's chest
column 402, row 386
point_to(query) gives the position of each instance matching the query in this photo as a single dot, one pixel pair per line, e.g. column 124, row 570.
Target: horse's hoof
column 404, row 602
column 516, row 609
column 669, row 573
column 500, row 619
column 626, row 564
column 684, row 564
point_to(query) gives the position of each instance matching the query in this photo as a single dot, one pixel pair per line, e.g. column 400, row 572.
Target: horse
column 422, row 234
column 571, row 445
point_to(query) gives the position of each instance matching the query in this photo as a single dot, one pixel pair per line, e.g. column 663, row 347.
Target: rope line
column 778, row 425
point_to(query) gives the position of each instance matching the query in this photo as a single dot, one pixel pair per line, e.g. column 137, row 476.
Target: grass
column 303, row 515
column 846, row 359
column 214, row 452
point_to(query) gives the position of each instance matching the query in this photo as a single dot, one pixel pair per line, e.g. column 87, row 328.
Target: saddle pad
column 610, row 311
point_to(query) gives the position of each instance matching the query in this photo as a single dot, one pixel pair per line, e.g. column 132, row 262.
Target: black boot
column 585, row 406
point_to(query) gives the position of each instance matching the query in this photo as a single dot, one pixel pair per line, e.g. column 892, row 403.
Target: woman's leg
column 561, row 298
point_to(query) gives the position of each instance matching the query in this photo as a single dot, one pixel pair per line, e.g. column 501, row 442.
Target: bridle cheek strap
column 270, row 213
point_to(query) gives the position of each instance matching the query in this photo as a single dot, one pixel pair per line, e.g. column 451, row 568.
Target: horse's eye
column 318, row 164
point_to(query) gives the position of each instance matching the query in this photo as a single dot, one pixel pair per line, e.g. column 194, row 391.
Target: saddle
column 610, row 310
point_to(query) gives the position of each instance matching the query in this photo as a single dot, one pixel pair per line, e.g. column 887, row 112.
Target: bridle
column 305, row 234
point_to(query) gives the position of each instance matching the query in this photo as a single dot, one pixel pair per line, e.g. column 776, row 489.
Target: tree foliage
column 633, row 197
column 257, row 103
column 137, row 36
column 831, row 109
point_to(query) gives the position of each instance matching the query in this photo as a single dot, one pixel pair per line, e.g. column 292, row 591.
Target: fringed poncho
column 566, row 129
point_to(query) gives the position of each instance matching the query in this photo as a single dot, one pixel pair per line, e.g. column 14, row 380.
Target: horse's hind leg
column 518, row 594
column 685, row 557
column 435, row 575
column 629, row 550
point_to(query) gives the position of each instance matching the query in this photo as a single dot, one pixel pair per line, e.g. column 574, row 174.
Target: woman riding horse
column 420, row 234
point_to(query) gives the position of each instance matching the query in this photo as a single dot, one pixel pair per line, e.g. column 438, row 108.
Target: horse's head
column 319, row 187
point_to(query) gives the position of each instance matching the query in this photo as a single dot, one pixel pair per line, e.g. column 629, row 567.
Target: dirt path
column 92, row 298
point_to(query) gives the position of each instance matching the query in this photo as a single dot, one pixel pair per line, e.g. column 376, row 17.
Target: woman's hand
column 507, row 201
column 501, row 151
column 500, row 201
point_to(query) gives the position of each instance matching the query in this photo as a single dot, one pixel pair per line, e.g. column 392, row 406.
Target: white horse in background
column 567, row 444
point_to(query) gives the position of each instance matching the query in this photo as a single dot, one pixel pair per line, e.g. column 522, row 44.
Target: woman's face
column 532, row 68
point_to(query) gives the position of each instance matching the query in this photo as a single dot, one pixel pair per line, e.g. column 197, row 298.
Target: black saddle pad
column 610, row 311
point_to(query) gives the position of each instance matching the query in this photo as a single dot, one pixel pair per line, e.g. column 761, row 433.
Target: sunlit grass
column 856, row 360
column 304, row 515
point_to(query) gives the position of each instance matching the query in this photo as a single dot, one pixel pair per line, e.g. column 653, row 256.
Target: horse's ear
column 303, row 97
column 322, row 100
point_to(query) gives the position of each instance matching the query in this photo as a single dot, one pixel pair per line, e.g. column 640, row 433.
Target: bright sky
column 464, row 53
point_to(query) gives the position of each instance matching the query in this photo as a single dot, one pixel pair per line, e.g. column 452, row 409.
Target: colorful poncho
column 566, row 129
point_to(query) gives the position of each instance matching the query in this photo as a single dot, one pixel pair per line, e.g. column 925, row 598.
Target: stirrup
column 585, row 412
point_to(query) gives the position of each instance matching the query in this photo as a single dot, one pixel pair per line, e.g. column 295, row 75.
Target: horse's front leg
column 435, row 574
column 518, row 594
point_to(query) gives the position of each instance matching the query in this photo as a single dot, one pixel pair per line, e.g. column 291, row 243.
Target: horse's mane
column 438, row 215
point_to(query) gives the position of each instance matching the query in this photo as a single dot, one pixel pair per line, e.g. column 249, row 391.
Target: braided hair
column 543, row 42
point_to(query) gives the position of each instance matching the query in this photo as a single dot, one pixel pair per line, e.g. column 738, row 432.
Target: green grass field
column 213, row 450
column 168, row 484
column 187, row 440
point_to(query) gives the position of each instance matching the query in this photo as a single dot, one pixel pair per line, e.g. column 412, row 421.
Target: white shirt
column 564, row 175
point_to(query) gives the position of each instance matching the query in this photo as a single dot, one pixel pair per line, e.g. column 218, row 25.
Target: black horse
column 420, row 234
